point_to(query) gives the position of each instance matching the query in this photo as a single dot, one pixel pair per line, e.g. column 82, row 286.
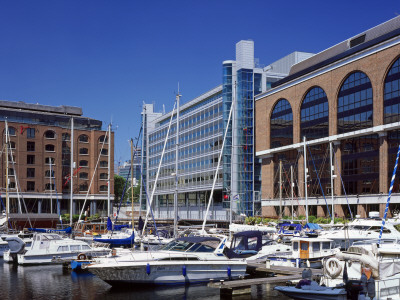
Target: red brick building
column 347, row 95
column 40, row 160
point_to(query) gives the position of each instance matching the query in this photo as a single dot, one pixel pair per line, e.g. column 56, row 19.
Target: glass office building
column 202, row 124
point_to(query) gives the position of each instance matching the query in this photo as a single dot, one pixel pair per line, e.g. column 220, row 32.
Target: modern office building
column 39, row 165
column 347, row 95
column 125, row 170
column 202, row 124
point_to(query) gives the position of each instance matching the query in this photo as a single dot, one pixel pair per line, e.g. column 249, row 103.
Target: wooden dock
column 273, row 274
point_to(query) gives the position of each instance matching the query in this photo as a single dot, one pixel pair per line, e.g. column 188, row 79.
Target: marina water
column 54, row 282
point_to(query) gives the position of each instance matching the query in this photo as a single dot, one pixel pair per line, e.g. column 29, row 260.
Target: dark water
column 53, row 282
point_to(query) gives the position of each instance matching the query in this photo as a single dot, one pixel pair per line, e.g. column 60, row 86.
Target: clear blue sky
column 109, row 56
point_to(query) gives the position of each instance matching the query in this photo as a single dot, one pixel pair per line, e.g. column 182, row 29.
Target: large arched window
column 314, row 114
column 355, row 103
column 281, row 124
column 49, row 134
column 391, row 96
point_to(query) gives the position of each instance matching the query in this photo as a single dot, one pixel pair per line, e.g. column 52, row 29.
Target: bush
column 311, row 219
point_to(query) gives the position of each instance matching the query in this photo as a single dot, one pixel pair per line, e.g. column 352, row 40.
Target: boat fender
column 148, row 271
column 82, row 256
column 333, row 267
column 229, row 271
column 184, row 271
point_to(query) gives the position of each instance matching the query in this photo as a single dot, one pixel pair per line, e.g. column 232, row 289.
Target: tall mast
column 280, row 189
column 71, row 172
column 178, row 96
column 305, row 176
column 292, row 186
column 109, row 171
column 332, row 189
column 7, row 196
column 132, row 182
column 51, row 191
column 141, row 158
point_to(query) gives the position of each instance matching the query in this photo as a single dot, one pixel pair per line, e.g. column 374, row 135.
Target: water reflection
column 54, row 282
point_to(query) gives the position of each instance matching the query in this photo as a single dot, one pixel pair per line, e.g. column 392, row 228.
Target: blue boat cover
column 312, row 226
column 67, row 230
column 116, row 227
column 126, row 241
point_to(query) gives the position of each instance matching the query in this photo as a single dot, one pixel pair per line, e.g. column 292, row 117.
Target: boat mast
column 292, row 186
column 280, row 189
column 305, row 176
column 332, row 189
column 51, row 191
column 71, row 172
column 7, row 196
column 178, row 96
column 109, row 170
column 132, row 182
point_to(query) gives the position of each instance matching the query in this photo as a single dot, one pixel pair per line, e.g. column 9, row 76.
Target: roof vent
column 357, row 41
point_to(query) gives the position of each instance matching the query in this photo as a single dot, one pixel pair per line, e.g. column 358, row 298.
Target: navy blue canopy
column 249, row 233
column 67, row 230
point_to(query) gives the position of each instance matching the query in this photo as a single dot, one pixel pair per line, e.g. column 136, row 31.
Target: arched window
column 83, row 187
column 49, row 148
column 49, row 134
column 66, row 137
column 83, row 163
column 83, row 175
column 391, row 96
column 355, row 103
column 101, row 139
column 103, row 164
column 103, row 176
column 12, row 131
column 281, row 124
column 103, row 188
column 83, row 151
column 83, row 138
column 314, row 114
column 104, row 152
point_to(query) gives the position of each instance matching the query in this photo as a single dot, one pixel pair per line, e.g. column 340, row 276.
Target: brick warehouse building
column 40, row 140
column 347, row 95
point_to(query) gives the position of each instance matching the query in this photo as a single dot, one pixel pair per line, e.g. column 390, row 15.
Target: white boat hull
column 169, row 272
column 54, row 258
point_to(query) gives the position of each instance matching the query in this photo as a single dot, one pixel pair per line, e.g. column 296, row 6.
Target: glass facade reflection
column 360, row 165
column 281, row 124
column 391, row 95
column 314, row 114
column 355, row 109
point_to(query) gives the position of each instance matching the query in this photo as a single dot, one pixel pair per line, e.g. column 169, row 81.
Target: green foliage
column 322, row 220
column 311, row 219
column 119, row 183
column 94, row 217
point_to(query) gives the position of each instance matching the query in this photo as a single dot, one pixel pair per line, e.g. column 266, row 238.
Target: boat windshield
column 184, row 246
column 51, row 237
column 360, row 227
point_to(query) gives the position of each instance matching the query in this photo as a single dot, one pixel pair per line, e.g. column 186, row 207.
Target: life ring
column 82, row 256
column 333, row 267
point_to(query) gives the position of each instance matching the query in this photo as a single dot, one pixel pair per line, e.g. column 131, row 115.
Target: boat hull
column 329, row 294
column 168, row 273
column 54, row 258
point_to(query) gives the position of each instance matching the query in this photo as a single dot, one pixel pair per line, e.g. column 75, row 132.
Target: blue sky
column 109, row 56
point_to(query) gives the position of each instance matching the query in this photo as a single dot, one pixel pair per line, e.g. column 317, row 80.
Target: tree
column 119, row 183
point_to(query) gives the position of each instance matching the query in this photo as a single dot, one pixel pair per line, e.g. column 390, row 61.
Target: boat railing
column 387, row 288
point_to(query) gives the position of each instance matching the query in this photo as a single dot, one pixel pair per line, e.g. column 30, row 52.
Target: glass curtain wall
column 227, row 92
column 244, row 124
column 360, row 165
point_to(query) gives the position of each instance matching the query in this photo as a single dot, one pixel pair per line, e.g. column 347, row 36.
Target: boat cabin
column 306, row 248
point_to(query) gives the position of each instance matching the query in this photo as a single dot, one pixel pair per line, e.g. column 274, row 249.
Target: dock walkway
column 238, row 287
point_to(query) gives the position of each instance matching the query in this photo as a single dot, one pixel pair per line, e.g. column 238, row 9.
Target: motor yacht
column 186, row 260
column 52, row 248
